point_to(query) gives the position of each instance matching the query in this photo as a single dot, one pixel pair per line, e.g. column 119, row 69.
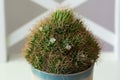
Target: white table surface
column 107, row 68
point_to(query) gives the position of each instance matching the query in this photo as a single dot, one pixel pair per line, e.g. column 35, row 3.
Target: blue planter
column 84, row 75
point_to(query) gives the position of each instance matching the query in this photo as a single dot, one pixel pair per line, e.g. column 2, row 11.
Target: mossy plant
column 61, row 44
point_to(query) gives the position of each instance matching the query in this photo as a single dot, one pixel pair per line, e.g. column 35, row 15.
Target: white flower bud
column 52, row 40
column 68, row 47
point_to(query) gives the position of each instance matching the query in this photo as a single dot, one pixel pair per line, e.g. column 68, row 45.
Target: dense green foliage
column 61, row 44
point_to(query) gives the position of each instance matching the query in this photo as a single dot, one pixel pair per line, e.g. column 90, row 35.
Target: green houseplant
column 59, row 47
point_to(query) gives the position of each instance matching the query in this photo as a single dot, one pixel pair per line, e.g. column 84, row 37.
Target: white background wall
column 3, row 54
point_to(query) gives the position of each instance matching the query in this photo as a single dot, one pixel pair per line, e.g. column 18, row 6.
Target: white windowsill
column 107, row 68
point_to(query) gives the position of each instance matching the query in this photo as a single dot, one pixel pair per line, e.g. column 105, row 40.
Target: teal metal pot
column 84, row 75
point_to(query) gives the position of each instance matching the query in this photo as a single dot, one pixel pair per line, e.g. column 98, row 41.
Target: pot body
column 84, row 75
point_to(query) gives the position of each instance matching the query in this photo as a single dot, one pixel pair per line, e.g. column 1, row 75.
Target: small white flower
column 68, row 47
column 40, row 28
column 52, row 40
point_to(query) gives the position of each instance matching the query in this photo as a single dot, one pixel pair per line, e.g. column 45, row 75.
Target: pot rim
column 65, row 74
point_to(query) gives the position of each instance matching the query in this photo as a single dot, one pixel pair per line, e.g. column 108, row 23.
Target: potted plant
column 59, row 47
